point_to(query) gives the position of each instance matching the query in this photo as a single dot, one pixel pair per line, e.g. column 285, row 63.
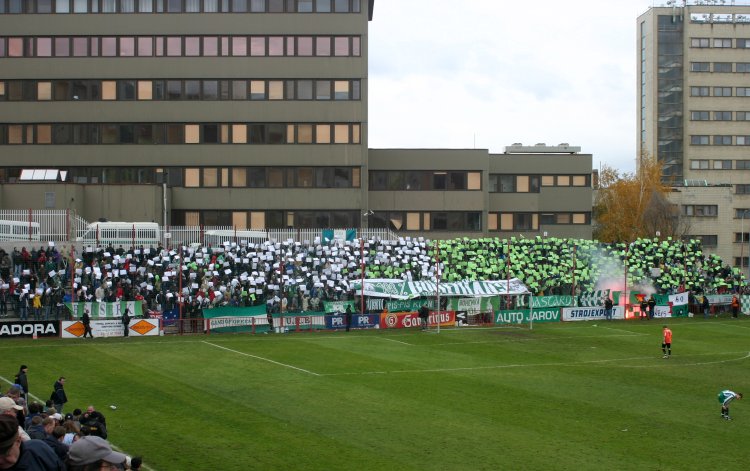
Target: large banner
column 399, row 289
column 331, row 307
column 548, row 301
column 30, row 329
column 238, row 324
column 111, row 328
column 406, row 320
column 520, row 316
column 590, row 313
column 105, row 310
column 482, row 304
column 399, row 305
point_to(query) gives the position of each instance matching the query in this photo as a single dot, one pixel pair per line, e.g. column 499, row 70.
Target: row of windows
column 227, row 177
column 179, row 6
column 532, row 221
column 272, row 177
column 268, row 219
column 95, row 90
column 469, row 221
column 424, row 180
column 532, row 183
column 705, row 164
column 160, row 133
column 719, row 115
column 705, row 240
column 180, row 46
column 719, row 91
column 724, row 43
column 700, row 210
column 720, row 140
column 720, row 67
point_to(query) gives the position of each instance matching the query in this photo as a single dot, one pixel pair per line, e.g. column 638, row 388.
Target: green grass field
column 588, row 395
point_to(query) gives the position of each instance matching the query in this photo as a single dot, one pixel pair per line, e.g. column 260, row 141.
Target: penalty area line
column 262, row 359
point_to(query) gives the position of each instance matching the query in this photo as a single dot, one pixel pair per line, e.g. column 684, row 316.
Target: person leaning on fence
column 735, row 306
column 126, row 323
column 706, row 307
column 424, row 316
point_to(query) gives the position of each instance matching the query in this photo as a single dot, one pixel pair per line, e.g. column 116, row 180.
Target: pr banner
column 590, row 313
column 359, row 321
column 29, row 329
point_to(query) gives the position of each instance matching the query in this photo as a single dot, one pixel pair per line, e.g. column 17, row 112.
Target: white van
column 126, row 234
column 218, row 237
column 19, row 230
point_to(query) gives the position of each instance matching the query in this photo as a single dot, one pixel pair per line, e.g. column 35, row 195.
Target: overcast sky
column 489, row 73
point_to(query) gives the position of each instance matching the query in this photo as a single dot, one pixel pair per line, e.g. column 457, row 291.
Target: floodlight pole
column 437, row 285
column 362, row 269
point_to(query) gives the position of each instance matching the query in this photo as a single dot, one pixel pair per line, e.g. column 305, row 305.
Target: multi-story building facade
column 694, row 116
column 244, row 113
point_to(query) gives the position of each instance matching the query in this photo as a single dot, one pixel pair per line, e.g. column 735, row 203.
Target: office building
column 242, row 113
column 694, row 116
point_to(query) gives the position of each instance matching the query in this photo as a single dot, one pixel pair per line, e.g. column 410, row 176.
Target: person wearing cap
column 9, row 408
column 16, row 454
column 91, row 453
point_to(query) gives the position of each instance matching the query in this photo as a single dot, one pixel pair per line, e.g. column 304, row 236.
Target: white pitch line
column 577, row 363
column 261, row 358
column 396, row 341
column 114, row 447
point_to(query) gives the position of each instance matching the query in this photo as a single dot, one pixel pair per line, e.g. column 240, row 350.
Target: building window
column 743, row 91
column 743, row 43
column 742, row 140
column 722, row 140
column 742, row 67
column 723, row 42
column 742, row 115
column 724, row 91
column 699, row 42
column 742, row 164
column 700, row 66
column 699, row 115
column 698, row 140
column 699, row 91
column 722, row 165
column 722, row 67
column 699, row 165
column 722, row 115
column 706, row 210
column 743, row 189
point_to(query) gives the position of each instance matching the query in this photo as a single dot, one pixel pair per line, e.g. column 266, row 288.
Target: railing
column 55, row 225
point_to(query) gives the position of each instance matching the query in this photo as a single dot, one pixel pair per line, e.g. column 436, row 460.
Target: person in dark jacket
column 86, row 320
column 53, row 441
column 58, row 396
column 16, row 454
column 23, row 381
column 126, row 323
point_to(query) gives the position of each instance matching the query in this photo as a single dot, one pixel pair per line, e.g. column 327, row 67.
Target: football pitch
column 588, row 395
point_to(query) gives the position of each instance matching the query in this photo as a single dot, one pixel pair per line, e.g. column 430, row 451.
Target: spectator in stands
column 58, row 396
column 92, row 453
column 15, row 453
column 55, row 441
column 36, row 429
column 11, row 409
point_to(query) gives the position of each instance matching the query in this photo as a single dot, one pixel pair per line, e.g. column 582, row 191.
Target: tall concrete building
column 243, row 113
column 694, row 116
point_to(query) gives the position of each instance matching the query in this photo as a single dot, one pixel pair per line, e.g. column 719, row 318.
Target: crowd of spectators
column 299, row 276
column 38, row 436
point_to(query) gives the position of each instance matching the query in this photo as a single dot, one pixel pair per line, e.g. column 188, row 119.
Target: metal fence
column 66, row 226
